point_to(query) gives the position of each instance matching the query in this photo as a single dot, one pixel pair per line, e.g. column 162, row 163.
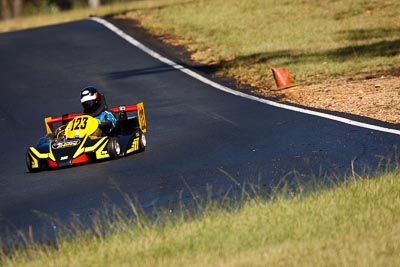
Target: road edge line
column 218, row 86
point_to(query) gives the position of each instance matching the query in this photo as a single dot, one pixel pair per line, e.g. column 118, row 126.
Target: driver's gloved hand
column 106, row 126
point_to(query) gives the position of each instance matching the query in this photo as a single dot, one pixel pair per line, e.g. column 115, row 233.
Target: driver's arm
column 107, row 122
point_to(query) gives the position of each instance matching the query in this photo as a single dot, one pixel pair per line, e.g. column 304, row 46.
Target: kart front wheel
column 113, row 148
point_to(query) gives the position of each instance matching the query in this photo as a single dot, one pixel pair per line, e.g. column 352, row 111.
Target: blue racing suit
column 107, row 121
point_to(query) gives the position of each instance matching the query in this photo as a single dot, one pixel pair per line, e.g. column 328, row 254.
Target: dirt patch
column 377, row 98
column 369, row 95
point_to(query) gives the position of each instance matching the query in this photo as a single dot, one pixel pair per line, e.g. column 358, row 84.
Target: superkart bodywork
column 78, row 141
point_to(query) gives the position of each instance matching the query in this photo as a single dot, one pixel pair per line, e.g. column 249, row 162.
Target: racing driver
column 94, row 104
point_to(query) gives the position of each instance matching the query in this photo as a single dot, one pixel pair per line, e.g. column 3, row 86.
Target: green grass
column 314, row 39
column 354, row 224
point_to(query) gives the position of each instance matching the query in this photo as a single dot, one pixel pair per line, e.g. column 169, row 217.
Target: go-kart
column 79, row 140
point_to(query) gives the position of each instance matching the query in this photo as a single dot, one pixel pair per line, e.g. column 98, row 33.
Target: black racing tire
column 113, row 148
column 142, row 143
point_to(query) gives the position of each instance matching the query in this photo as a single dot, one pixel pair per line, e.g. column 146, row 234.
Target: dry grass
column 356, row 224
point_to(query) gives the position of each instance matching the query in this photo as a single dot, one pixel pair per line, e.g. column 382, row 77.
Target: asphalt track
column 196, row 133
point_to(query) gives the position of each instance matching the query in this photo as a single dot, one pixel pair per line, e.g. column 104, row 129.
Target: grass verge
column 315, row 40
column 354, row 224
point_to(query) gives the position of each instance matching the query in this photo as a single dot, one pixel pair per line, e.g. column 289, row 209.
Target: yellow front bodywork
column 81, row 126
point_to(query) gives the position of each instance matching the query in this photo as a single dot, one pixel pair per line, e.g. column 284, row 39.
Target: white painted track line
column 218, row 86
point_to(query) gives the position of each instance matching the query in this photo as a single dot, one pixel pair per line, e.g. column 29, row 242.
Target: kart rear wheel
column 113, row 148
column 142, row 143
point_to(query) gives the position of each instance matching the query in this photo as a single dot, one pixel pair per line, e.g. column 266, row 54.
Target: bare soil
column 376, row 98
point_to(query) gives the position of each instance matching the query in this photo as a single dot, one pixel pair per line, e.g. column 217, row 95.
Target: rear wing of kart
column 139, row 107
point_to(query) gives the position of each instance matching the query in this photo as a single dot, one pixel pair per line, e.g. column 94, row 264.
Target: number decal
column 84, row 123
column 81, row 126
column 75, row 123
column 79, row 123
column 134, row 147
column 135, row 144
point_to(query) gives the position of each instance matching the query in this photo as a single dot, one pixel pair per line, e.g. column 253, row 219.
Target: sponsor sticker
column 68, row 143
